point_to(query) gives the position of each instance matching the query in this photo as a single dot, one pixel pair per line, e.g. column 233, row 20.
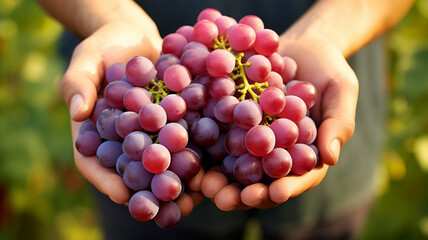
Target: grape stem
column 239, row 72
column 158, row 90
column 245, row 87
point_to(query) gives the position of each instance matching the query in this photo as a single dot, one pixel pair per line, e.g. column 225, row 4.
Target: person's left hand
column 322, row 64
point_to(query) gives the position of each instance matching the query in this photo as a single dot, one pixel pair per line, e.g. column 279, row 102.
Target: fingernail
column 335, row 149
column 75, row 104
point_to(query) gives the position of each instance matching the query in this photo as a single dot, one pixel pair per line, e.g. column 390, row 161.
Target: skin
column 320, row 41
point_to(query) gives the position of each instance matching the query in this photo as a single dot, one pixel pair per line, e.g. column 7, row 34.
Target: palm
column 337, row 86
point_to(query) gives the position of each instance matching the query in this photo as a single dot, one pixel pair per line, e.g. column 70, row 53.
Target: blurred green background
column 42, row 196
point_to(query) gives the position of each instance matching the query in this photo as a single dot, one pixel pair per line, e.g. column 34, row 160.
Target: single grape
column 173, row 43
column 209, row 14
column 140, row 71
column 152, row 117
column 190, row 116
column 222, row 86
column 277, row 63
column 304, row 158
column 135, row 98
column 136, row 177
column 108, row 153
column 168, row 216
column 126, row 123
column 275, row 80
column 204, row 131
column 260, row 140
column 277, row 163
column 143, row 206
column 223, row 23
column 195, row 60
column 114, row 92
column 205, row 31
column 241, row 37
column 195, row 95
column 135, row 143
column 290, row 69
column 253, row 21
column 87, row 142
column 166, row 186
column 247, row 114
column 220, row 63
column 187, row 32
column 286, row 132
column 305, row 90
column 164, row 62
column 295, row 109
column 248, row 169
column 259, row 69
column 208, row 109
column 177, row 77
column 272, row 100
column 100, row 105
column 223, row 109
column 173, row 136
column 121, row 164
column 235, row 142
column 106, row 124
column 156, row 158
column 267, row 42
column 185, row 163
column 307, row 131
column 216, row 152
column 193, row 45
column 115, row 72
column 174, row 106
column 227, row 166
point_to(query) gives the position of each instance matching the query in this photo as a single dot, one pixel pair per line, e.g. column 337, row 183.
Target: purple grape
column 185, row 163
column 134, row 145
column 235, row 142
column 106, row 124
column 126, row 123
column 166, row 186
column 143, row 206
column 115, row 72
column 121, row 164
column 204, row 131
column 248, row 169
column 136, row 177
column 168, row 216
column 140, row 71
column 195, row 95
column 108, row 153
column 114, row 92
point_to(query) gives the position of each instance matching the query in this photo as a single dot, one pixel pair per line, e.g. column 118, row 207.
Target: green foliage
column 42, row 196
column 401, row 211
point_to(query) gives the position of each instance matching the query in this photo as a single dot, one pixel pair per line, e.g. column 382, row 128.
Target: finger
column 339, row 103
column 257, row 196
column 185, row 203
column 195, row 182
column 196, row 196
column 106, row 180
column 229, row 198
column 213, row 182
column 291, row 186
column 82, row 79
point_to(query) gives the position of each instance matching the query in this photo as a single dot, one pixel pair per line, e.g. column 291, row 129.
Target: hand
column 112, row 43
column 322, row 64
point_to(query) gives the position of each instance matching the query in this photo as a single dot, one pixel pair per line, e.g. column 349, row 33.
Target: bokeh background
column 42, row 196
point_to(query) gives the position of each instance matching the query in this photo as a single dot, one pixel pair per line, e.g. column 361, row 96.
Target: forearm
column 348, row 25
column 83, row 17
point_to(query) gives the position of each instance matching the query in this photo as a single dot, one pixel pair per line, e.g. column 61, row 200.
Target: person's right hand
column 112, row 43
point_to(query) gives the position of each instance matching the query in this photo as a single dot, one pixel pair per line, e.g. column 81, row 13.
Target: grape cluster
column 219, row 95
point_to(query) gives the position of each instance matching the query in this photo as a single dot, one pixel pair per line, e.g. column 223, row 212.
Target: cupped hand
column 322, row 64
column 114, row 42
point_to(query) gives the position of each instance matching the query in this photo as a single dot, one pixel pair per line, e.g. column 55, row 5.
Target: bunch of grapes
column 219, row 95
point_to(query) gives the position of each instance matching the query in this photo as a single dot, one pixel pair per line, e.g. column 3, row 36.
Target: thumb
column 338, row 104
column 82, row 80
